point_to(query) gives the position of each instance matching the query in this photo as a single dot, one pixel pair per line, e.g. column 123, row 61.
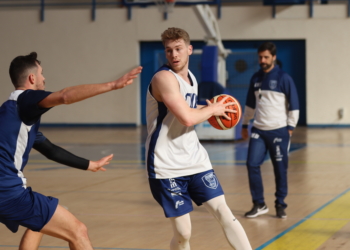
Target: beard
column 179, row 67
column 265, row 66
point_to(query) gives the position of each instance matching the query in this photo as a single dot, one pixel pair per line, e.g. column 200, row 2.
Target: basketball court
column 120, row 212
column 117, row 205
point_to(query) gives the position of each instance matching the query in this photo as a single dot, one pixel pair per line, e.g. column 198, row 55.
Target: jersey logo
column 191, row 99
column 273, row 84
column 172, row 183
column 179, row 203
column 175, row 194
column 279, row 156
column 210, row 180
column 277, row 140
column 255, row 136
column 257, row 84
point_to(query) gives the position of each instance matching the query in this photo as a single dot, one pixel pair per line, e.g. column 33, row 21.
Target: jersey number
column 191, row 99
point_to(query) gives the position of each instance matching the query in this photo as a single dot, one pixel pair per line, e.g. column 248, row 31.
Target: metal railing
column 43, row 4
column 93, row 4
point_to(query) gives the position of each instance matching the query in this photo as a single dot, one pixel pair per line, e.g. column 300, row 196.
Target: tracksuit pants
column 277, row 143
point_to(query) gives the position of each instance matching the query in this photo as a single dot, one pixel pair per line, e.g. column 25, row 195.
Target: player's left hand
column 127, row 79
column 290, row 132
column 95, row 166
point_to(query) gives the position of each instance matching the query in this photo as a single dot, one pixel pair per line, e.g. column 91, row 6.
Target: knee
column 184, row 236
column 80, row 231
column 222, row 211
column 252, row 164
column 253, row 169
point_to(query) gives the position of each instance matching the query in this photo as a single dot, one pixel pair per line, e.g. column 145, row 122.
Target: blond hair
column 175, row 34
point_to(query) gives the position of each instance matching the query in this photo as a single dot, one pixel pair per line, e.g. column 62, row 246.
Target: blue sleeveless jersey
column 19, row 124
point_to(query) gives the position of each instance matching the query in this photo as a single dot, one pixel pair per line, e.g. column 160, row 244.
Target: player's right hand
column 244, row 133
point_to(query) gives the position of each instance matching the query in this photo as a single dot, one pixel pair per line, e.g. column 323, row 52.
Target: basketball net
column 165, row 6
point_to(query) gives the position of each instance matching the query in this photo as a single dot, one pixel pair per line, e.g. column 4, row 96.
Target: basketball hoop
column 165, row 6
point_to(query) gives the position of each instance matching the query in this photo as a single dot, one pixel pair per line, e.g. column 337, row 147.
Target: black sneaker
column 280, row 213
column 257, row 210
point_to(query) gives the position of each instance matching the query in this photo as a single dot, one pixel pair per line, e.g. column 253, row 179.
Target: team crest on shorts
column 210, row 180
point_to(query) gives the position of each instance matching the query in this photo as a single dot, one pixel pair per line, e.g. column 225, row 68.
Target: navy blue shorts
column 175, row 195
column 31, row 210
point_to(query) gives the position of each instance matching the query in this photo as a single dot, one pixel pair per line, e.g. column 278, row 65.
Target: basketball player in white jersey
column 178, row 166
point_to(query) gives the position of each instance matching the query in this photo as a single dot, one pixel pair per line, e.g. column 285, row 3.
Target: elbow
column 188, row 122
column 64, row 98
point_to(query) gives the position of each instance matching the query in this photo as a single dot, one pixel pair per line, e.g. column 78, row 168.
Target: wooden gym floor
column 120, row 213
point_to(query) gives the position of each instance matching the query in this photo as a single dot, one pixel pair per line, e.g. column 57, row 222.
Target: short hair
column 271, row 47
column 19, row 68
column 175, row 34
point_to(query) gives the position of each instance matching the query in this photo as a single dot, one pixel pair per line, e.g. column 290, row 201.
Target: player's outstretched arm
column 81, row 92
column 62, row 156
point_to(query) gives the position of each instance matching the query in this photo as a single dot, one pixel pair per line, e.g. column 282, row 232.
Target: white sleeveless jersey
column 172, row 149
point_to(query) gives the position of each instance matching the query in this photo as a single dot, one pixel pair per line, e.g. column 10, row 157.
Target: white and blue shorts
column 175, row 195
column 31, row 210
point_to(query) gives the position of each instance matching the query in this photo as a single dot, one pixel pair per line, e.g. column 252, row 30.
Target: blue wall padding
column 209, row 64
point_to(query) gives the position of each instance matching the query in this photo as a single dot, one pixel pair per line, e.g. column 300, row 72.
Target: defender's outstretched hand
column 127, row 79
column 95, row 166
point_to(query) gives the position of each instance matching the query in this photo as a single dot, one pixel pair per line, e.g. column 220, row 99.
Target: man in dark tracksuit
column 272, row 101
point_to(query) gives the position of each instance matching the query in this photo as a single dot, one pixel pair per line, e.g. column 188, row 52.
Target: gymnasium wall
column 75, row 50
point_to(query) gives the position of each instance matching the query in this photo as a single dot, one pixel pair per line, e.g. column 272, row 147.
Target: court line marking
column 46, row 161
column 134, row 165
column 274, row 239
column 94, row 247
column 32, row 162
column 149, row 192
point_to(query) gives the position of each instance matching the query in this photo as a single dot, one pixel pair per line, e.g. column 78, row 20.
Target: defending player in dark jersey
column 19, row 133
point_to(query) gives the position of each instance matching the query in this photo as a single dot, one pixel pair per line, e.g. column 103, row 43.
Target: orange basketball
column 220, row 122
